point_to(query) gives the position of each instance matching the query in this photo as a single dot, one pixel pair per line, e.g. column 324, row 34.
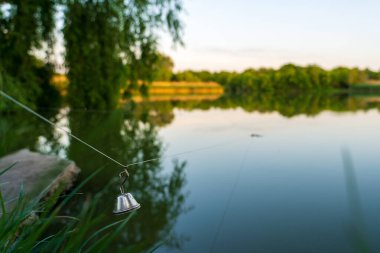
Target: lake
column 300, row 173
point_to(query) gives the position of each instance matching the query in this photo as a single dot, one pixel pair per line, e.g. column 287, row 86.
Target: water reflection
column 286, row 104
column 131, row 138
column 357, row 230
column 127, row 136
column 131, row 134
column 21, row 130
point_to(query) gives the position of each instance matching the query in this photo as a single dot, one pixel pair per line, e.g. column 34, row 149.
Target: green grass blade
column 105, row 228
column 3, row 211
column 157, row 245
column 34, row 237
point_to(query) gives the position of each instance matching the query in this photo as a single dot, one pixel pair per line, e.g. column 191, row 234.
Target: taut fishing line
column 97, row 150
column 228, row 202
column 125, row 202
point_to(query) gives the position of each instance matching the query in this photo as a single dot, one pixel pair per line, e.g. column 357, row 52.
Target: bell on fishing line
column 125, row 202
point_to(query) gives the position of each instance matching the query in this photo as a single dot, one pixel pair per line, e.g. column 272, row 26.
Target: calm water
column 290, row 189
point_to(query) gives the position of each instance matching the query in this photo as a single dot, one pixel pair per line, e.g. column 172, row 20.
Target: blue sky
column 238, row 34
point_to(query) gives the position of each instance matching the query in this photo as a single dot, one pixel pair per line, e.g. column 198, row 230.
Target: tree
column 163, row 68
column 110, row 42
column 372, row 75
column 107, row 42
column 25, row 28
column 340, row 77
column 293, row 77
column 187, row 75
column 318, row 76
column 356, row 76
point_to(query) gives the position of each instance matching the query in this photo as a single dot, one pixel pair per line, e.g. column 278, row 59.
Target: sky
column 238, row 34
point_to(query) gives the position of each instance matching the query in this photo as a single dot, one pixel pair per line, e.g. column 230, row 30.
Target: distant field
column 176, row 97
column 185, row 88
column 181, row 91
column 160, row 88
column 185, row 84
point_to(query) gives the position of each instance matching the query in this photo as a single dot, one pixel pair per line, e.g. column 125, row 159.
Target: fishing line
column 183, row 153
column 97, row 150
column 58, row 127
column 232, row 191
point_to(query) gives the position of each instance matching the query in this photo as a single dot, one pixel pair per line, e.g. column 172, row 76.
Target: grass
column 365, row 86
column 27, row 227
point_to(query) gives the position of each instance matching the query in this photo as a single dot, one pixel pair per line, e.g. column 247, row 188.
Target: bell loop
column 124, row 175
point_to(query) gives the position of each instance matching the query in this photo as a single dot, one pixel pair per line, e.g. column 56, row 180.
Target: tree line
column 289, row 77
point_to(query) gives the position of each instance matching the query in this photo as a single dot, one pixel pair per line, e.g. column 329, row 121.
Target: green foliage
column 107, row 43
column 27, row 227
column 25, row 27
column 110, row 42
column 289, row 77
column 340, row 77
column 372, row 75
column 187, row 76
column 194, row 76
column 163, row 68
column 94, row 66
column 318, row 77
column 12, row 86
column 292, row 77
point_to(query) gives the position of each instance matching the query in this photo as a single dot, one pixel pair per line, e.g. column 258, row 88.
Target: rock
column 40, row 175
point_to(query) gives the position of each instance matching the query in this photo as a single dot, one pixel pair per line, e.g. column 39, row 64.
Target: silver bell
column 125, row 202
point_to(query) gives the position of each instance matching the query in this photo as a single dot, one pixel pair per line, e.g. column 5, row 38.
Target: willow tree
column 26, row 28
column 111, row 42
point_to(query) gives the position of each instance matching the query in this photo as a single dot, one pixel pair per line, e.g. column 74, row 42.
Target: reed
column 27, row 227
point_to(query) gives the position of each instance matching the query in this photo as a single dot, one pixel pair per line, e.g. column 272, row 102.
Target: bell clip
column 125, row 202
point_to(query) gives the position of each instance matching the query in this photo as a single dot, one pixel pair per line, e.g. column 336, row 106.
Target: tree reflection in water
column 130, row 135
column 19, row 129
column 129, row 138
